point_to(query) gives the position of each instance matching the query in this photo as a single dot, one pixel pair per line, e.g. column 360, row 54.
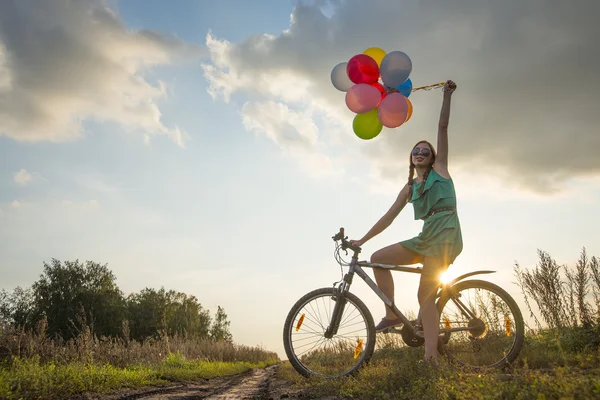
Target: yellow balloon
column 375, row 53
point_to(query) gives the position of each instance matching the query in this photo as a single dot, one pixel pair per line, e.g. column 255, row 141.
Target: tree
column 17, row 308
column 154, row 312
column 187, row 316
column 65, row 290
column 72, row 296
column 5, row 314
column 220, row 327
column 146, row 312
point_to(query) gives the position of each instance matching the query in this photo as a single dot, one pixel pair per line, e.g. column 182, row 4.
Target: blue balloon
column 406, row 87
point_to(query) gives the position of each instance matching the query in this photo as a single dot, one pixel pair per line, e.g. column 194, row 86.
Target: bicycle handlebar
column 345, row 243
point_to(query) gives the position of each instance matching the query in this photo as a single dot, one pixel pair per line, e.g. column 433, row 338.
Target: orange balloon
column 410, row 109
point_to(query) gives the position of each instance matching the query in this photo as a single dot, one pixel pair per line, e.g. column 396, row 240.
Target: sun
column 445, row 277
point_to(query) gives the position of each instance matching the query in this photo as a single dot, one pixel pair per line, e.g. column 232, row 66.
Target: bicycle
column 330, row 332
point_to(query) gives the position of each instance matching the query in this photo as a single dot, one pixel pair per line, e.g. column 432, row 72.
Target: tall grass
column 398, row 375
column 563, row 302
column 35, row 366
column 558, row 296
column 121, row 351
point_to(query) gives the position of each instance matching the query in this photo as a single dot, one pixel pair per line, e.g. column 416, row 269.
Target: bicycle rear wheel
column 496, row 329
column 306, row 346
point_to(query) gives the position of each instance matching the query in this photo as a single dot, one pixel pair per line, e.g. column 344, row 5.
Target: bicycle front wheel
column 307, row 348
column 481, row 325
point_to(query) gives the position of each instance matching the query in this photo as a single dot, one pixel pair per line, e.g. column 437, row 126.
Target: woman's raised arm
column 441, row 159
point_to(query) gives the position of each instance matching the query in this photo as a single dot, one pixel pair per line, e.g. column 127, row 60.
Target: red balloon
column 381, row 89
column 362, row 69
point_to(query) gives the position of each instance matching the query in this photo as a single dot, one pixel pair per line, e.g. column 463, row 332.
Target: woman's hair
column 411, row 168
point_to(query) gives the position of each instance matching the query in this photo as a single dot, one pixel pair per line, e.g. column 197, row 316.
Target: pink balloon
column 362, row 98
column 393, row 110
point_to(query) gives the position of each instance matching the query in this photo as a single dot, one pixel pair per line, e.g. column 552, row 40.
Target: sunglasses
column 425, row 152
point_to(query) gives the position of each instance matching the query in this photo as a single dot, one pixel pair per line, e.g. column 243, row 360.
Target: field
column 560, row 358
column 551, row 366
column 35, row 367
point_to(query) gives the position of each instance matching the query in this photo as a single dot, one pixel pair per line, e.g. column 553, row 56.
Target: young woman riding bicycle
column 434, row 200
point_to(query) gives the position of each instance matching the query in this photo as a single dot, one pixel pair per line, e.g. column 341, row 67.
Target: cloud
column 295, row 133
column 526, row 70
column 81, row 205
column 280, row 124
column 64, row 62
column 280, row 108
column 23, row 177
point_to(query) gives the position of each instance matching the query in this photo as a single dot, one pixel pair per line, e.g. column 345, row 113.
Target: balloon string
column 429, row 87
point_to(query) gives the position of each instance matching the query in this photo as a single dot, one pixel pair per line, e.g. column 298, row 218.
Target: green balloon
column 366, row 126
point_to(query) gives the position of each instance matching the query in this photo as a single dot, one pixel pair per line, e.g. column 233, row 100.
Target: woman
column 434, row 200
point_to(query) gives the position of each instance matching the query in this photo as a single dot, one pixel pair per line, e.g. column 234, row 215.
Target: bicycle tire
column 315, row 363
column 491, row 334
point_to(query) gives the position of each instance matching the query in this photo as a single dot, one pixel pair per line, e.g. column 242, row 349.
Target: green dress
column 441, row 236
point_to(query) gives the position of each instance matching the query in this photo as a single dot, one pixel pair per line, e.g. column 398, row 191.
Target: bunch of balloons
column 376, row 102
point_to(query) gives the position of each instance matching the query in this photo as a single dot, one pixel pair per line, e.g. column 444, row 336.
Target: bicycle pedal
column 391, row 329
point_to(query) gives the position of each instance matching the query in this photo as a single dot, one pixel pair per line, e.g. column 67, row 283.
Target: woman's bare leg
column 395, row 254
column 430, row 281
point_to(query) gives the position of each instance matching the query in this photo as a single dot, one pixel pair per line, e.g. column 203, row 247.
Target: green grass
column 31, row 379
column 546, row 369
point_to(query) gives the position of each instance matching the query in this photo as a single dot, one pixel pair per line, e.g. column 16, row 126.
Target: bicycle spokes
column 481, row 325
column 315, row 347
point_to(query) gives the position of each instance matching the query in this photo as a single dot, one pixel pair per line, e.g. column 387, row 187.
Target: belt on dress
column 437, row 210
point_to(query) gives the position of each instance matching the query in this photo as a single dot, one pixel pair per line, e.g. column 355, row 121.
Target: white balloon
column 339, row 77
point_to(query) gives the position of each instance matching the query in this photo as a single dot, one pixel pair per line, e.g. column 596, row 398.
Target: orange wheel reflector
column 447, row 323
column 507, row 324
column 358, row 349
column 300, row 321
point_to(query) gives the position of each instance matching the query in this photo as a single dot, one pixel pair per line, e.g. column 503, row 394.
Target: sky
column 200, row 145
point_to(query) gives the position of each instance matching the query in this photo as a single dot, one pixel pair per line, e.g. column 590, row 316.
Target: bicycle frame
column 356, row 267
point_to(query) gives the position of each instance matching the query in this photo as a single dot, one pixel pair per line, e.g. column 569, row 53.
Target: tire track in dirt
column 256, row 384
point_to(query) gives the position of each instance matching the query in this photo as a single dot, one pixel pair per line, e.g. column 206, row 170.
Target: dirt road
column 257, row 384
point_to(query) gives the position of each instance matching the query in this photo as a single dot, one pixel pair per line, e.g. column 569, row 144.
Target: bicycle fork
column 338, row 309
